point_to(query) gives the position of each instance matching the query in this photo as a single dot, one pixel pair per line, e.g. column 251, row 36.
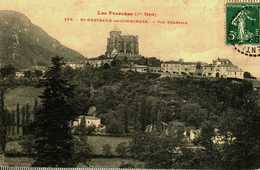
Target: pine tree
column 3, row 122
column 53, row 138
column 18, row 119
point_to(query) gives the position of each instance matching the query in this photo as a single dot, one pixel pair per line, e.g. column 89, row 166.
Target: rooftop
column 180, row 62
column 90, row 117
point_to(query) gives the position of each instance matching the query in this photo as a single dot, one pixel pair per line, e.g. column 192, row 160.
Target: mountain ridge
column 25, row 44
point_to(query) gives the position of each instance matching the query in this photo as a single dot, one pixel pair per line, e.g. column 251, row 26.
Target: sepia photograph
column 132, row 84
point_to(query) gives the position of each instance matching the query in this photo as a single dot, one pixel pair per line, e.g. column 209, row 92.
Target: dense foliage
column 53, row 139
column 159, row 111
column 226, row 106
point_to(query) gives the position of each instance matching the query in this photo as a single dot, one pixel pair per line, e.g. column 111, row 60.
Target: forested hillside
column 156, row 112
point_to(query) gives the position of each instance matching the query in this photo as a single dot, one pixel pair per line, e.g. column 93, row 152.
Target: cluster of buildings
column 126, row 47
column 219, row 68
column 33, row 71
column 190, row 134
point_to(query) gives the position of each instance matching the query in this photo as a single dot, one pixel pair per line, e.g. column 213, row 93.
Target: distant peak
column 14, row 15
column 11, row 12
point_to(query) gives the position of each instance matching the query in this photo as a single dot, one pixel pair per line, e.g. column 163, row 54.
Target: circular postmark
column 248, row 50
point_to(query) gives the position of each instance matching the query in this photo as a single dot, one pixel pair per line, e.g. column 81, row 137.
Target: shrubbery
column 107, row 150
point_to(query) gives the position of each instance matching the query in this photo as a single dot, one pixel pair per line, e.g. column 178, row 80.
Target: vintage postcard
column 140, row 84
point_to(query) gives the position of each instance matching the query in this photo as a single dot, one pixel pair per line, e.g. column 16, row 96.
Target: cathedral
column 123, row 46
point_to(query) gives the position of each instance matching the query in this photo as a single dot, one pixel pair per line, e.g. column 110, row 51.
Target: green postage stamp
column 243, row 26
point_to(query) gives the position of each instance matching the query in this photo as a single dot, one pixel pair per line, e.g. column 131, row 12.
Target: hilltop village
column 126, row 48
column 123, row 50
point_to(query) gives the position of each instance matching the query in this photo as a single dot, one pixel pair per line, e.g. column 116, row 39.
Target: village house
column 219, row 68
column 74, row 65
column 222, row 68
column 188, row 68
column 175, row 128
column 207, row 70
column 178, row 68
column 43, row 69
column 99, row 61
column 135, row 68
column 172, row 67
column 19, row 74
column 154, row 69
column 220, row 139
column 87, row 121
column 226, row 69
column 140, row 68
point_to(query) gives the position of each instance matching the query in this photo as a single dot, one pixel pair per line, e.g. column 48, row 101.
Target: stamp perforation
column 242, row 1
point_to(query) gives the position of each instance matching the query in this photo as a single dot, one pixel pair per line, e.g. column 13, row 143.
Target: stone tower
column 126, row 45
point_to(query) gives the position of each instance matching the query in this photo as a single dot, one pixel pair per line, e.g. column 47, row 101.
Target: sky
column 201, row 39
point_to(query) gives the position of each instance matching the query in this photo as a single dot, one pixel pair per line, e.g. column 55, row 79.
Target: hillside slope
column 24, row 44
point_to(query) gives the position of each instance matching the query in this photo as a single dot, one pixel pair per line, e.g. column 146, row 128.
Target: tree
column 192, row 114
column 121, row 149
column 84, row 130
column 248, row 75
column 122, row 110
column 38, row 73
column 107, row 150
column 149, row 112
column 27, row 144
column 113, row 124
column 69, row 72
column 53, row 139
column 199, row 69
column 244, row 151
column 82, row 150
column 3, row 121
column 126, row 165
column 28, row 74
column 161, row 152
column 7, row 71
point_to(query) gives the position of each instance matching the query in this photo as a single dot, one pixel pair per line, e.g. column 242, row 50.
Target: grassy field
column 94, row 163
column 22, row 95
column 97, row 143
column 114, row 163
column 17, row 161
